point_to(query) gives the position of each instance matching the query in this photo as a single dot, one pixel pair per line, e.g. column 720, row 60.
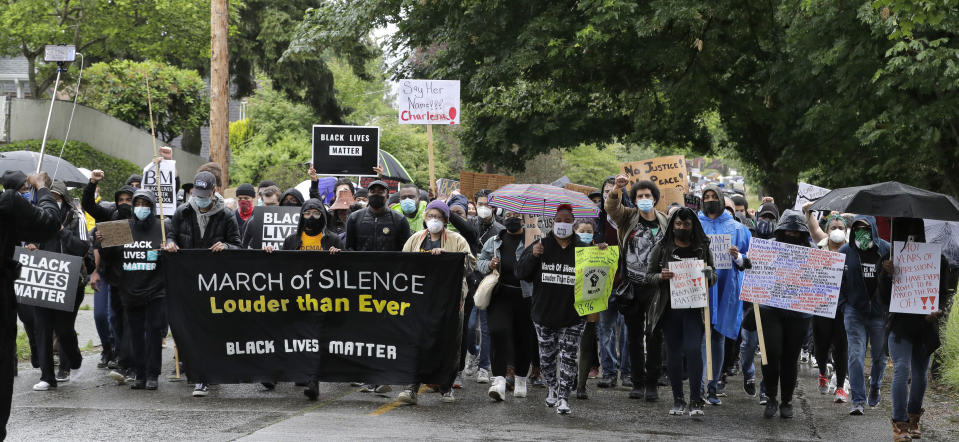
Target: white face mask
column 563, row 230
column 434, row 226
column 484, row 212
column 837, row 236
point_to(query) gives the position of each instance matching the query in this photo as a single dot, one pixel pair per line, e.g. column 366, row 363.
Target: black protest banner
column 47, row 279
column 377, row 317
column 272, row 224
column 345, row 150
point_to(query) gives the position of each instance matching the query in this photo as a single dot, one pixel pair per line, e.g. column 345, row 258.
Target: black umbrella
column 890, row 199
column 26, row 162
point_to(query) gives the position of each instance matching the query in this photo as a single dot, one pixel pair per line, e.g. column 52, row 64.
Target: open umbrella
column 393, row 169
column 26, row 162
column 891, row 199
column 542, row 199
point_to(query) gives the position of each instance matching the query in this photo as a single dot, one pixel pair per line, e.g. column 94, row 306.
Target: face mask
column 484, row 212
column 764, row 228
column 712, row 208
column 644, row 205
column 27, row 195
column 683, row 234
column 125, row 211
column 259, row 202
column 141, row 212
column 797, row 240
column 362, row 204
column 313, row 225
column 837, row 236
column 408, row 205
column 586, row 237
column 203, row 203
column 59, row 204
column 563, row 230
column 514, row 225
column 246, row 207
column 864, row 239
column 377, row 201
column 434, row 226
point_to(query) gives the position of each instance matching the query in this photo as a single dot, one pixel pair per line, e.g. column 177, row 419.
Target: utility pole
column 220, row 87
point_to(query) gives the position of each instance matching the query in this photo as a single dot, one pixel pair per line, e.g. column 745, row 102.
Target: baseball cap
column 203, row 184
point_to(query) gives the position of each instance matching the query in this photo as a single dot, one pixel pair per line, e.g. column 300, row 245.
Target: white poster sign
column 915, row 287
column 163, row 184
column 429, row 102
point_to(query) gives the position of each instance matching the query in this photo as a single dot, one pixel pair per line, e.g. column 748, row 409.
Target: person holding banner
column 437, row 239
column 862, row 313
column 639, row 230
column 508, row 314
column 683, row 329
column 913, row 338
column 19, row 221
column 725, row 307
column 549, row 263
column 784, row 331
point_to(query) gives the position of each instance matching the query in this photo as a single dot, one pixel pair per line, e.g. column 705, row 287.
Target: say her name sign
column 791, row 277
column 687, row 287
column 429, row 102
column 915, row 288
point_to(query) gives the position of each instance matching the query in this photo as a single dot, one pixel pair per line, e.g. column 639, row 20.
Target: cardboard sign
column 47, row 279
column 272, row 224
column 345, row 150
column 595, row 274
column 669, row 173
column 163, row 185
column 115, row 233
column 915, row 287
column 536, row 227
column 719, row 244
column 585, row 190
column 429, row 102
column 446, row 186
column 687, row 289
column 807, row 194
column 791, row 277
column 471, row 182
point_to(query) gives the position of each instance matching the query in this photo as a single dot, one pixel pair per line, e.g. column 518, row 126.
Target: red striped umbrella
column 542, row 200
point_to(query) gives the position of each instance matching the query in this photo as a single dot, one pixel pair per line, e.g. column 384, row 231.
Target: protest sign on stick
column 687, row 287
column 669, row 173
column 535, row 227
column 161, row 180
column 429, row 102
column 720, row 244
column 915, row 286
column 595, row 274
column 808, row 193
column 792, row 277
column 47, row 279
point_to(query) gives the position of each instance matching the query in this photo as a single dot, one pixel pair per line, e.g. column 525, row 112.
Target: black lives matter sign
column 272, row 224
column 345, row 150
column 47, row 279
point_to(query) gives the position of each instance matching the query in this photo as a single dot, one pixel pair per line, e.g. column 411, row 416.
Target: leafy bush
column 118, row 88
column 240, row 134
column 83, row 155
column 949, row 353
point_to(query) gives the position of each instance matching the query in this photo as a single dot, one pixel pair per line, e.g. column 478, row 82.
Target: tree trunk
column 219, row 88
column 782, row 187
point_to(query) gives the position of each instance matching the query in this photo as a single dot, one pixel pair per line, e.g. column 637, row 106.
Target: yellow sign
column 595, row 274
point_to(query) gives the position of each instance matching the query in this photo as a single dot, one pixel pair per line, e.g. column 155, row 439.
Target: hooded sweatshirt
column 726, row 309
column 553, row 274
column 854, row 292
column 294, row 193
column 203, row 218
column 329, row 239
column 142, row 280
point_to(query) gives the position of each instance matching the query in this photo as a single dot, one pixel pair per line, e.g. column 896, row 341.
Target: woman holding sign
column 683, row 328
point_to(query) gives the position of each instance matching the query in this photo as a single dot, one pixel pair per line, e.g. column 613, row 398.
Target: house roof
column 14, row 68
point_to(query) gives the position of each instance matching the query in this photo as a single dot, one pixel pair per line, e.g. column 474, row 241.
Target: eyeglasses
column 312, row 215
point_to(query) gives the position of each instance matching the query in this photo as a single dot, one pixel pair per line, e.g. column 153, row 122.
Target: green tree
column 119, row 88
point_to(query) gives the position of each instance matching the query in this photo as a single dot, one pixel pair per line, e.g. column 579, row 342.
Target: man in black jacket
column 376, row 228
column 19, row 221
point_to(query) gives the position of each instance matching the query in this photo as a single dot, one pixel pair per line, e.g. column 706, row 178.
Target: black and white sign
column 165, row 180
column 345, row 150
column 47, row 279
column 272, row 224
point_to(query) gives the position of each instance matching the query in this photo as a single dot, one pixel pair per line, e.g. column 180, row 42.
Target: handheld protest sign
column 719, row 245
column 595, row 275
column 536, row 227
column 161, row 180
column 915, row 286
column 808, row 193
column 792, row 277
column 115, row 233
column 687, row 287
column 345, row 150
column 47, row 279
column 272, row 224
column 669, row 173
column 429, row 102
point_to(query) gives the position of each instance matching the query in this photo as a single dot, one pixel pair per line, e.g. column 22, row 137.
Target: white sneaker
column 448, row 397
column 551, row 398
column 519, row 386
column 482, row 376
column 497, row 391
column 562, row 407
column 472, row 364
column 42, row 386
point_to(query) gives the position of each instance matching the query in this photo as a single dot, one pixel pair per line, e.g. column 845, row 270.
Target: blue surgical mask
column 586, row 237
column 27, row 195
column 142, row 213
column 408, row 205
column 644, row 205
column 203, row 203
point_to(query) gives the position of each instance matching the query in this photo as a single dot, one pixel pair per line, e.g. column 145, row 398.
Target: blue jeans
column 747, row 353
column 613, row 344
column 719, row 343
column 683, row 331
column 102, row 314
column 908, row 362
column 861, row 329
column 484, row 347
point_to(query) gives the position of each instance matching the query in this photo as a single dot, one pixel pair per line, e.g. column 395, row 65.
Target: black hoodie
column 553, row 275
column 294, row 193
column 330, row 239
column 142, row 280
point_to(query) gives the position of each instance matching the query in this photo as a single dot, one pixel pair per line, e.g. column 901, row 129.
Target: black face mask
column 712, row 208
column 125, row 211
column 312, row 226
column 377, row 201
column 765, row 228
column 797, row 240
column 514, row 225
column 683, row 235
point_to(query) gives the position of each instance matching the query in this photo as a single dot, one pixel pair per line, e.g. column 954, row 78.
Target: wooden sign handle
column 709, row 344
column 759, row 331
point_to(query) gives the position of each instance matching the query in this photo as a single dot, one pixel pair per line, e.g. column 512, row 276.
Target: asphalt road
column 91, row 406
